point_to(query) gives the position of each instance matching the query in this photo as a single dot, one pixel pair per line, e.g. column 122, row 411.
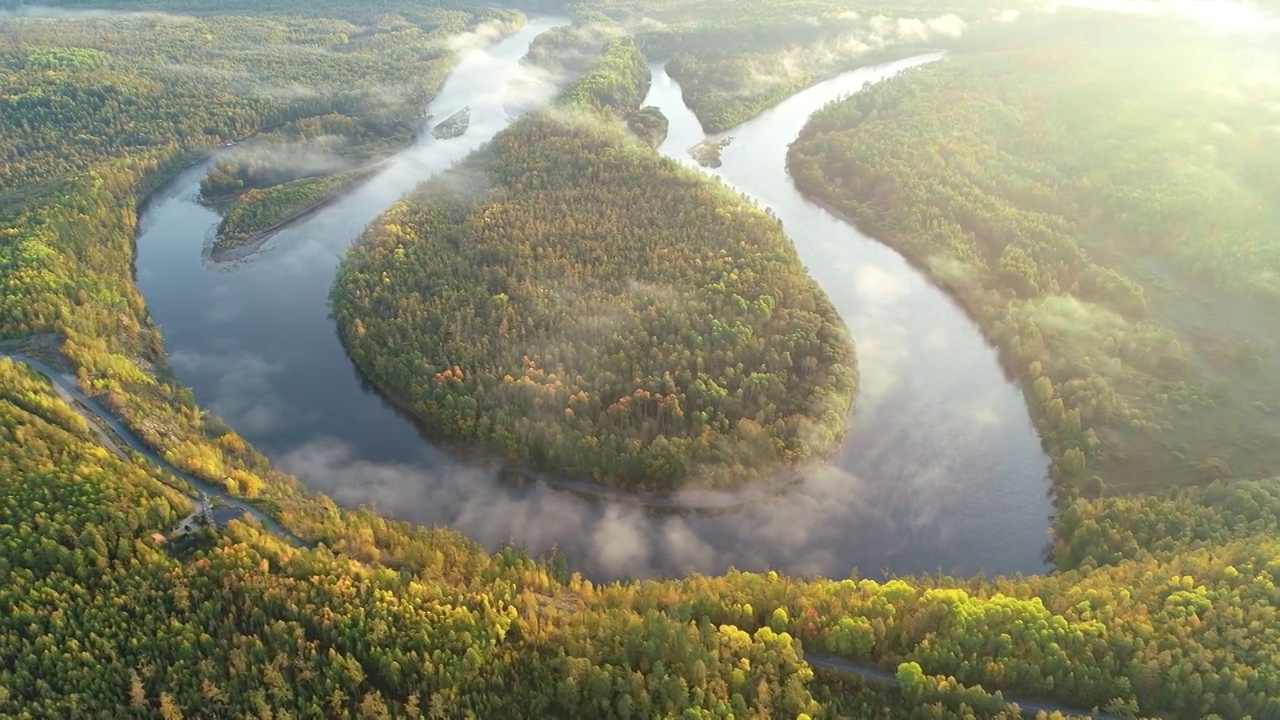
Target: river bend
column 942, row 469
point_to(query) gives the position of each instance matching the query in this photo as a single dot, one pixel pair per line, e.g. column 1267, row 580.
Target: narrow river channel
column 941, row 471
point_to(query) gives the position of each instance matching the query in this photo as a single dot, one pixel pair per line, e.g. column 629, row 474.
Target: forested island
column 1107, row 221
column 258, row 212
column 649, row 124
column 707, row 154
column 313, row 146
column 1162, row 602
column 578, row 303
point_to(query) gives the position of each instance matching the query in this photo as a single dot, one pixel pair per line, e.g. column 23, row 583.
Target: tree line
column 99, row 619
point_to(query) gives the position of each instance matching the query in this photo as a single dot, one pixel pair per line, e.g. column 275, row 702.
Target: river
column 942, row 469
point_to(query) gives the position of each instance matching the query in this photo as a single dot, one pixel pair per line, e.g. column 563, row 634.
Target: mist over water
column 941, row 469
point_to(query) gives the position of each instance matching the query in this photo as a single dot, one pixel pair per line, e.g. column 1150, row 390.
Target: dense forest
column 131, row 84
column 1181, row 623
column 1164, row 603
column 585, row 306
column 1105, row 210
column 99, row 621
column 731, row 64
column 574, row 48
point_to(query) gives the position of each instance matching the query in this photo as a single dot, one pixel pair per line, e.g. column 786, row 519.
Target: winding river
column 942, row 469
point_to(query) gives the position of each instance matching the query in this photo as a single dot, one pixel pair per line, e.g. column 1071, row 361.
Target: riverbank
column 1121, row 312
column 920, row 264
column 973, row 311
column 521, row 476
column 719, row 111
column 103, row 422
column 114, row 433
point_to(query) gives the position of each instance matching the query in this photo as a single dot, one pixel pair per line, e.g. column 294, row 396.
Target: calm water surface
column 942, row 469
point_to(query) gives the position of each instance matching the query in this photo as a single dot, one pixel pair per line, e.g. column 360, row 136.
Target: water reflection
column 941, row 470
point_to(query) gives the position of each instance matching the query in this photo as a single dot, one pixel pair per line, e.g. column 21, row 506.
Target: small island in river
column 453, row 126
column 282, row 174
column 707, row 153
column 259, row 212
column 579, row 304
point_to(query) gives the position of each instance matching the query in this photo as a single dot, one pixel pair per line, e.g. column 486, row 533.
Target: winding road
column 879, row 675
column 101, row 420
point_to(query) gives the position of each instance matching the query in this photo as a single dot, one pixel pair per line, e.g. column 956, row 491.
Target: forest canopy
column 578, row 303
column 732, row 63
column 242, row 622
column 1163, row 602
column 1103, row 202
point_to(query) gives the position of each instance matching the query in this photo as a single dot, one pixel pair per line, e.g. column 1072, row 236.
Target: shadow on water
column 940, row 470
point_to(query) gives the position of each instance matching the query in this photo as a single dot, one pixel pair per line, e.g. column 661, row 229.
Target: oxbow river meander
column 942, row 469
